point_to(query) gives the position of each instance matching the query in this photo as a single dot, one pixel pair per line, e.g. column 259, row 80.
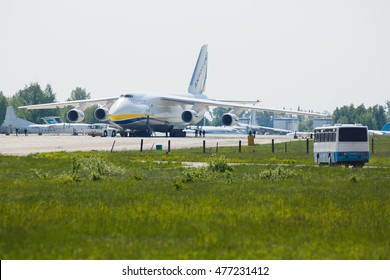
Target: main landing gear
column 136, row 133
column 177, row 133
column 147, row 133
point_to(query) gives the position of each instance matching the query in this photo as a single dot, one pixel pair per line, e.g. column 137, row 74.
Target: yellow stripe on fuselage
column 126, row 116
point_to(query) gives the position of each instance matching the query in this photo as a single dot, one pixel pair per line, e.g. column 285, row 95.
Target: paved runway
column 24, row 145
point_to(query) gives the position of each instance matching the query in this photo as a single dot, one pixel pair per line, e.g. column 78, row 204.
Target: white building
column 322, row 121
column 286, row 123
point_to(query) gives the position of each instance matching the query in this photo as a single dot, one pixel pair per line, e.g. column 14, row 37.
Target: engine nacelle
column 101, row 114
column 190, row 117
column 75, row 115
column 229, row 119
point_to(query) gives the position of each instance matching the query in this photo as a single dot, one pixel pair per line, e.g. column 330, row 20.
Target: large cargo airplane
column 145, row 113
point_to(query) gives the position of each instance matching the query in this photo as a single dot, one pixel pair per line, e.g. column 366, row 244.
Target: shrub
column 219, row 164
column 137, row 176
column 279, row 173
column 178, row 185
column 355, row 178
column 194, row 174
column 96, row 168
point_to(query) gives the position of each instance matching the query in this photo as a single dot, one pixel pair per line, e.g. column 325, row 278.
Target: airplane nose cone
column 124, row 111
column 121, row 106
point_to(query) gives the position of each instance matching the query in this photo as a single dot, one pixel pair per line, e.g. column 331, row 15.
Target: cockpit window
column 127, row 96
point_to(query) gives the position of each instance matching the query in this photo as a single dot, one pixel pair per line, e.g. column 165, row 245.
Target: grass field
column 133, row 205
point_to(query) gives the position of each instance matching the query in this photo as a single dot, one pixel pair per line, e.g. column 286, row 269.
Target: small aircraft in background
column 384, row 131
column 146, row 113
column 195, row 130
column 54, row 125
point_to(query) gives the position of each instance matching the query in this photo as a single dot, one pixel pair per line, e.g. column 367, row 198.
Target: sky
column 317, row 55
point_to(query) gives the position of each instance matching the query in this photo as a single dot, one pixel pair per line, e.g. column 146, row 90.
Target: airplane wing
column 236, row 104
column 263, row 128
column 76, row 103
column 226, row 104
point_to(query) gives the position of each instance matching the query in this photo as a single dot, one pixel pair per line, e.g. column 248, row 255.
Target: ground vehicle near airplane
column 341, row 144
column 101, row 129
column 145, row 113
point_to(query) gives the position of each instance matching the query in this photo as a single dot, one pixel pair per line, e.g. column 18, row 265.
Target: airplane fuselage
column 138, row 111
column 59, row 128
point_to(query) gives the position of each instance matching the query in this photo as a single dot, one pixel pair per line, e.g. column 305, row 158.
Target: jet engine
column 190, row 116
column 75, row 115
column 101, row 114
column 229, row 119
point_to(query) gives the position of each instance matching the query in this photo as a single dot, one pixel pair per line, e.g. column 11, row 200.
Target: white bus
column 341, row 144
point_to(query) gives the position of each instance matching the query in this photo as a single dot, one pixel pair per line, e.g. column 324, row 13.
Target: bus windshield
column 353, row 134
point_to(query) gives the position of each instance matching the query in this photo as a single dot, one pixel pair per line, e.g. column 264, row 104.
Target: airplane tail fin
column 253, row 120
column 12, row 120
column 386, row 127
column 10, row 115
column 198, row 80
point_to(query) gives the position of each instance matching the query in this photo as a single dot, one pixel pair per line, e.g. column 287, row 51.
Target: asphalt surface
column 24, row 145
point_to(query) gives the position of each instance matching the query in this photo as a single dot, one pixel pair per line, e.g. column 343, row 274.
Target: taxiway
column 30, row 144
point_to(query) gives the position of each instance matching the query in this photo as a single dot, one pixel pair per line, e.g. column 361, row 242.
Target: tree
column 30, row 95
column 79, row 94
column 307, row 125
column 3, row 106
column 379, row 113
column 373, row 117
column 388, row 110
column 265, row 119
column 49, row 94
column 89, row 114
column 217, row 115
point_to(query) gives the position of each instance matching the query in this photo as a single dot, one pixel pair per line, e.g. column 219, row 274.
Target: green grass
column 146, row 206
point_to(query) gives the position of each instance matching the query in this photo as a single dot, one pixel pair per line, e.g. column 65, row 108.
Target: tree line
column 34, row 94
column 375, row 117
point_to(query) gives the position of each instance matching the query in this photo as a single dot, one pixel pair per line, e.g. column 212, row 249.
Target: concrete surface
column 24, row 145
